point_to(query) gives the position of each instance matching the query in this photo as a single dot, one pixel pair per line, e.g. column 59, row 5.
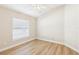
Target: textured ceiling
column 35, row 10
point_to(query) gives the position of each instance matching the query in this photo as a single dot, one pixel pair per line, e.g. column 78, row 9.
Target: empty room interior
column 39, row 29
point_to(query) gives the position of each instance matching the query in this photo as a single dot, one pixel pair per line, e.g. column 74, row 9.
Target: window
column 20, row 28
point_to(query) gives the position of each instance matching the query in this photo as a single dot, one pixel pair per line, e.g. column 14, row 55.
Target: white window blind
column 20, row 28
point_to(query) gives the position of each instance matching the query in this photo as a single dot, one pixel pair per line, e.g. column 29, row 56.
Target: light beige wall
column 6, row 16
column 71, row 26
column 51, row 26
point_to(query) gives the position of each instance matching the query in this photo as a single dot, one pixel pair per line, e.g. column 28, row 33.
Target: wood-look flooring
column 39, row 47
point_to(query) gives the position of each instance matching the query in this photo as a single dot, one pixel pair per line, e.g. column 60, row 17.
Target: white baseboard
column 71, row 47
column 59, row 43
column 14, row 45
column 50, row 40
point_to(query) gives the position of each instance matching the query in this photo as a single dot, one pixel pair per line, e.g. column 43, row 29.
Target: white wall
column 71, row 26
column 61, row 25
column 51, row 26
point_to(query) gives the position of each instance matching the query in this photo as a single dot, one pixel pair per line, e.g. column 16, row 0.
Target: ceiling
column 35, row 10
